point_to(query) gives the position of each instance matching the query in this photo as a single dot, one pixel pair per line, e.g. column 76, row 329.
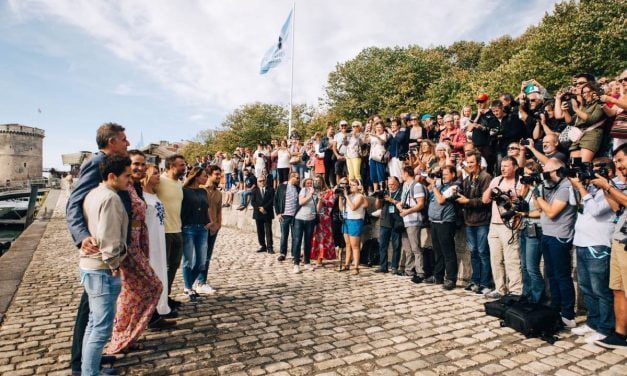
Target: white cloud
column 208, row 52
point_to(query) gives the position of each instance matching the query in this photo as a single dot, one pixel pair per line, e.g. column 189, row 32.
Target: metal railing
column 24, row 184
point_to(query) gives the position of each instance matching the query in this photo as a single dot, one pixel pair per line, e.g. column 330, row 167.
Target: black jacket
column 266, row 201
column 476, row 213
column 279, row 198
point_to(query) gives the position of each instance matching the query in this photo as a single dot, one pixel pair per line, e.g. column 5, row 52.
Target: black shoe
column 281, row 258
column 172, row 315
column 262, row 249
column 448, row 285
column 429, row 280
column 107, row 359
column 108, row 371
column 469, row 287
column 240, row 208
column 270, row 250
column 174, row 304
column 613, row 341
column 162, row 324
column 380, row 271
column 193, row 297
column 417, row 279
column 399, row 273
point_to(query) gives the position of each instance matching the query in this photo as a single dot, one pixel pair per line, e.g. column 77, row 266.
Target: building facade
column 20, row 153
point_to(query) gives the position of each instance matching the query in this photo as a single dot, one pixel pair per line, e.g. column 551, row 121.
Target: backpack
column 497, row 308
column 534, row 320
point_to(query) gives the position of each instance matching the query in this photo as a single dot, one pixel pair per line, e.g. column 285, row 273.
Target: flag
column 274, row 56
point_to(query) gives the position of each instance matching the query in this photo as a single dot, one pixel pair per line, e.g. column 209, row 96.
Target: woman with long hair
column 282, row 155
column 426, row 156
column 304, row 224
column 322, row 246
column 377, row 139
column 155, row 223
column 195, row 221
column 353, row 203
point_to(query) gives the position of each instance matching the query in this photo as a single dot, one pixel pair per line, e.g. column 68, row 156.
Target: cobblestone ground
column 264, row 320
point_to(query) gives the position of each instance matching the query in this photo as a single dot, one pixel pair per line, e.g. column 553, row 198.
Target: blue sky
column 170, row 69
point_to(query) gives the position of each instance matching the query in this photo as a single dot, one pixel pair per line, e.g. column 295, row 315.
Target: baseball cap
column 531, row 88
column 482, row 97
column 343, row 122
column 425, row 117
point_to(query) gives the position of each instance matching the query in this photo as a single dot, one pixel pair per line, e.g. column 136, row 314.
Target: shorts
column 353, row 227
column 590, row 140
column 340, row 168
column 618, row 267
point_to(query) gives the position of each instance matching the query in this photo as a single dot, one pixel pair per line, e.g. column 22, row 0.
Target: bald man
column 550, row 144
column 558, row 216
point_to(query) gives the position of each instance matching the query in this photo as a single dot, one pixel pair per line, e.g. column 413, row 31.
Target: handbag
column 574, row 134
column 378, row 155
column 295, row 160
column 619, row 126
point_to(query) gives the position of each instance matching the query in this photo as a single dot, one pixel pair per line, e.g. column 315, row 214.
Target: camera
column 435, row 175
column 403, row 157
column 516, row 206
column 405, row 206
column 340, row 189
column 524, row 142
column 535, row 178
column 501, row 198
column 379, row 195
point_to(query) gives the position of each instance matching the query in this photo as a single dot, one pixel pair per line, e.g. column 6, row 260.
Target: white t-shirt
column 260, row 163
column 411, row 199
column 283, row 158
column 376, row 145
column 339, row 139
column 227, row 166
column 306, row 212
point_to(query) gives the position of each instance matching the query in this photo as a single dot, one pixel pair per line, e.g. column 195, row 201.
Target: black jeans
column 174, row 252
column 264, row 233
column 443, row 239
column 329, row 168
column 302, row 232
column 82, row 317
column 286, row 227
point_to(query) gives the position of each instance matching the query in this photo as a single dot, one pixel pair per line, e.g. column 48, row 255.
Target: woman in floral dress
column 141, row 287
column 322, row 246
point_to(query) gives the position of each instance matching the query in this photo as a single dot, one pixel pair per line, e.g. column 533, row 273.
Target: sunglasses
column 622, row 79
column 513, row 148
column 581, row 83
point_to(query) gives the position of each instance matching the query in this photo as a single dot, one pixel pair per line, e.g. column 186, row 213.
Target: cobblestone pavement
column 264, row 320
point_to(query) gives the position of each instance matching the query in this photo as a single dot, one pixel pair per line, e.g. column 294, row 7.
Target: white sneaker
column 569, row 323
column 582, row 330
column 595, row 336
column 309, row 267
column 205, row 289
column 296, row 269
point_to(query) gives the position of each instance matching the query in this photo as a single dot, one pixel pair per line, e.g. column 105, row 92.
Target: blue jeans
column 102, row 289
column 286, row 226
column 593, row 276
column 211, row 242
column 558, row 266
column 477, row 242
column 244, row 200
column 194, row 252
column 229, row 181
column 300, row 168
column 302, row 232
column 385, row 235
column 530, row 254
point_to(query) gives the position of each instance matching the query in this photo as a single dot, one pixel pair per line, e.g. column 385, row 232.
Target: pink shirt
column 505, row 185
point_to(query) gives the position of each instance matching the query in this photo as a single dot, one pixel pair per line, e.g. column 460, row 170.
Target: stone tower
column 20, row 152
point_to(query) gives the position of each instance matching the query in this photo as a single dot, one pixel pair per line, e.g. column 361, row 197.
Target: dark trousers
column 329, row 168
column 286, row 226
column 385, row 235
column 174, row 253
column 443, row 239
column 82, row 317
column 558, row 268
column 302, row 233
column 264, row 233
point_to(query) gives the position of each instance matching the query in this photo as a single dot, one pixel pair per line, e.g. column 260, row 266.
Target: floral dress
column 322, row 245
column 141, row 287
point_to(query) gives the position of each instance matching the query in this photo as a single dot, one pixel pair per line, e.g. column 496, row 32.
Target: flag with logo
column 275, row 55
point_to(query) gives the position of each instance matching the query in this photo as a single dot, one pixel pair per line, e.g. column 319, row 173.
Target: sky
column 168, row 69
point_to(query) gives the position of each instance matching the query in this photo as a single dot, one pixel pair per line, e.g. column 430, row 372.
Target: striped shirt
column 291, row 200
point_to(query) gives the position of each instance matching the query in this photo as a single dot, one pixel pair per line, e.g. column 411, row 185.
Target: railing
column 25, row 184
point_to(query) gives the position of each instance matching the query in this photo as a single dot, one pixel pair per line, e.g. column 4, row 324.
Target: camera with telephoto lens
column 518, row 205
column 340, row 189
column 584, row 171
column 501, row 198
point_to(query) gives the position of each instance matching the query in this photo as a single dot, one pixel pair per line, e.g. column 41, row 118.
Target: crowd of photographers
column 532, row 181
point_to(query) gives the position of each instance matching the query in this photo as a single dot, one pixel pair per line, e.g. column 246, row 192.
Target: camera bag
column 533, row 320
column 497, row 308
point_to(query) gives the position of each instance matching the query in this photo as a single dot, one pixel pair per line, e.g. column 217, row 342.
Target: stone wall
column 243, row 220
column 20, row 152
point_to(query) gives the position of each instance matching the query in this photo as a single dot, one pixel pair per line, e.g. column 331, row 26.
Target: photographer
column 397, row 146
column 389, row 225
column 589, row 118
column 412, row 202
column 550, row 145
column 502, row 237
column 593, row 233
column 340, row 142
column 558, row 215
column 618, row 257
column 480, row 133
column 530, row 235
column 442, row 215
column 477, row 220
column 504, row 128
column 531, row 97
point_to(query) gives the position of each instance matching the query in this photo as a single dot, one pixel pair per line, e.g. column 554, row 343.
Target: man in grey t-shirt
column 558, row 221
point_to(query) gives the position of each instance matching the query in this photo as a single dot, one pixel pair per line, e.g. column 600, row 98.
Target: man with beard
column 549, row 147
column 214, row 197
column 111, row 140
column 170, row 192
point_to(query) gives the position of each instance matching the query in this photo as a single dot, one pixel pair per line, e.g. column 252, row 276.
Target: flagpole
column 289, row 127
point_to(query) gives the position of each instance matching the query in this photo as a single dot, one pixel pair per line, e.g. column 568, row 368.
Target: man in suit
column 263, row 213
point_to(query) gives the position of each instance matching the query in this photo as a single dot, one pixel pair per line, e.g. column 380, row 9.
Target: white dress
column 155, row 216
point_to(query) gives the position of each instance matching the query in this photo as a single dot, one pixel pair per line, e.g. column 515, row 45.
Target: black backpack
column 497, row 308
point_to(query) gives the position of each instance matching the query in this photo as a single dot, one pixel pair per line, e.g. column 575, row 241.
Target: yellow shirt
column 170, row 192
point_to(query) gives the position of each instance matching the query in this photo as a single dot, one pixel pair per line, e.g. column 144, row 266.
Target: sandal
column 355, row 271
column 344, row 268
